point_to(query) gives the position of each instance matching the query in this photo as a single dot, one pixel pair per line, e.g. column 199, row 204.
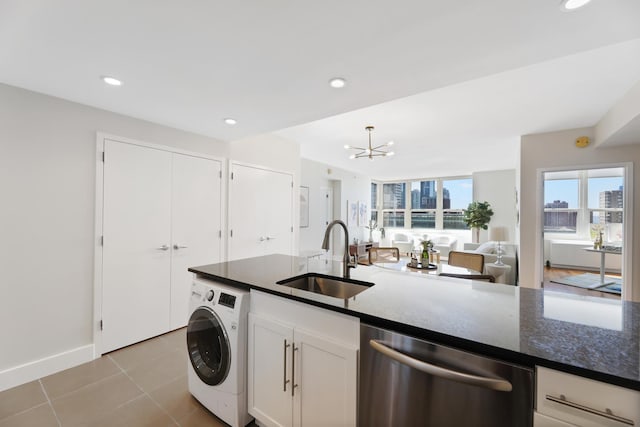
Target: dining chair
column 467, row 260
column 381, row 255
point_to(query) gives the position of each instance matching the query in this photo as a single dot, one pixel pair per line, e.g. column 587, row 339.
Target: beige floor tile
column 94, row 401
column 175, row 398
column 40, row 416
column 176, row 339
column 160, row 371
column 141, row 412
column 200, row 417
column 140, row 354
column 72, row 379
column 20, row 398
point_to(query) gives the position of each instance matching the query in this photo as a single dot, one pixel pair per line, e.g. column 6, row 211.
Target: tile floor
column 141, row 385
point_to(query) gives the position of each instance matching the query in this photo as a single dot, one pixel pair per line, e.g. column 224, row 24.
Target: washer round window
column 208, row 346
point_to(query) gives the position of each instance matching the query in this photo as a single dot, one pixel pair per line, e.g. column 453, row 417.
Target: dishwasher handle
column 497, row 384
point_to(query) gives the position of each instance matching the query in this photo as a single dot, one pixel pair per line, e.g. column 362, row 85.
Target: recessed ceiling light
column 574, row 4
column 230, row 121
column 111, row 81
column 337, row 82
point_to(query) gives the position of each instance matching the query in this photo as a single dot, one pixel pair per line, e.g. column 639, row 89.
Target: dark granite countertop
column 591, row 337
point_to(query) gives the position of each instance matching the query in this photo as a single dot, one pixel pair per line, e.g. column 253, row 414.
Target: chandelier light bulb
column 337, row 82
column 574, row 4
column 111, row 81
column 353, row 156
column 390, row 153
column 390, row 143
column 347, row 146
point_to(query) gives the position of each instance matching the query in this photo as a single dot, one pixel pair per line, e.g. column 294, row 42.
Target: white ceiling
column 191, row 63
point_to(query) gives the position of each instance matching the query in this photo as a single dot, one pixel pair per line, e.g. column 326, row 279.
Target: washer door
column 208, row 346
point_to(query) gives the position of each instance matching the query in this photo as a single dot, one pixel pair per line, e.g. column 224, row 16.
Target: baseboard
column 21, row 374
column 582, row 267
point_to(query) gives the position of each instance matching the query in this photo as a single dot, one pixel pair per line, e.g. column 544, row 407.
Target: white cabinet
column 298, row 376
column 161, row 213
column 568, row 400
column 260, row 212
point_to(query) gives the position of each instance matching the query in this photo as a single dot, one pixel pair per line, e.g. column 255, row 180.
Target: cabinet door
column 269, row 371
column 136, row 253
column 325, row 373
column 195, row 225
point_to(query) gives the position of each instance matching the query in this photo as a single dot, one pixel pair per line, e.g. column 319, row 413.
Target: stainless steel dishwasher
column 406, row 381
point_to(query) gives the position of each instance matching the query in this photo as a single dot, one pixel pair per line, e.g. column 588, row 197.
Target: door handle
column 270, row 238
column 293, row 368
column 163, row 248
column 497, row 384
column 284, row 369
column 176, row 247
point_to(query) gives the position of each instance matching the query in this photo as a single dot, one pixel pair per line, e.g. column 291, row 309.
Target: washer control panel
column 227, row 300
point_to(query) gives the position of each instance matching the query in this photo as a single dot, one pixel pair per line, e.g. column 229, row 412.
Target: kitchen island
column 588, row 337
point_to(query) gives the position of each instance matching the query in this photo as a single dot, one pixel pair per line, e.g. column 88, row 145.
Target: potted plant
column 477, row 216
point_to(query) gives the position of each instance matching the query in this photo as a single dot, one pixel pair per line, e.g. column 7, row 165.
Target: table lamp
column 499, row 234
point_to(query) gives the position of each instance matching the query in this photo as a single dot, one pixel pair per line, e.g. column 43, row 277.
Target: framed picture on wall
column 304, row 207
column 362, row 214
column 352, row 213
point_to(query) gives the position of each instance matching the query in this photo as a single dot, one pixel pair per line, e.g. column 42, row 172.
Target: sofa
column 490, row 249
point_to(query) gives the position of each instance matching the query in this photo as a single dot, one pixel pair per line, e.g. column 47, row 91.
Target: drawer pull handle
column 607, row 413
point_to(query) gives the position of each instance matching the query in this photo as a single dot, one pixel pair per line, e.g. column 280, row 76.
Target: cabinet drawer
column 540, row 420
column 585, row 402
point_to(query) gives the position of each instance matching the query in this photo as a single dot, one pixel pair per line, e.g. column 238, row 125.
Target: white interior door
column 279, row 215
column 260, row 212
column 247, row 200
column 196, row 224
column 136, row 252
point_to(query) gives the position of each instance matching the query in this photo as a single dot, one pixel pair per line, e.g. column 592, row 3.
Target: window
column 605, row 204
column 393, row 204
column 560, row 205
column 584, row 203
column 374, row 202
column 425, row 204
column 456, row 196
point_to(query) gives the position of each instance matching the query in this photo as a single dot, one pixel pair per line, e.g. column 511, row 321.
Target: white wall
column 557, row 149
column 47, row 188
column 347, row 186
column 499, row 189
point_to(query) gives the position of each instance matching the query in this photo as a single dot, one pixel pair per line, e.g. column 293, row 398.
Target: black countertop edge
column 440, row 338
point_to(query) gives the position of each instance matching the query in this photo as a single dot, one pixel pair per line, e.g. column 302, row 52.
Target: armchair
column 403, row 242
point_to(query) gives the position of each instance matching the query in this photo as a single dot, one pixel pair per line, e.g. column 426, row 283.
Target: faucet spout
column 346, row 259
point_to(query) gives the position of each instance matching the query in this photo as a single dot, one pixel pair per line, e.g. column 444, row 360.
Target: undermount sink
column 336, row 287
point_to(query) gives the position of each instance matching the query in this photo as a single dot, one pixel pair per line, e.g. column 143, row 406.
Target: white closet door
column 279, row 224
column 247, row 203
column 196, row 223
column 260, row 212
column 136, row 252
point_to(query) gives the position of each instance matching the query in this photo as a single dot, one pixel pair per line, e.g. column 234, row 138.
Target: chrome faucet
column 346, row 259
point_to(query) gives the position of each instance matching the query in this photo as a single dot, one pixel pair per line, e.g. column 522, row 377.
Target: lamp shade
column 498, row 234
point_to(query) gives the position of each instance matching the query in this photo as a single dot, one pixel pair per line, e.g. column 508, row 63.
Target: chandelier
column 370, row 152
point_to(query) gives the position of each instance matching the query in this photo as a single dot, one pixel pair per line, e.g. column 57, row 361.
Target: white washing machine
column 217, row 346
